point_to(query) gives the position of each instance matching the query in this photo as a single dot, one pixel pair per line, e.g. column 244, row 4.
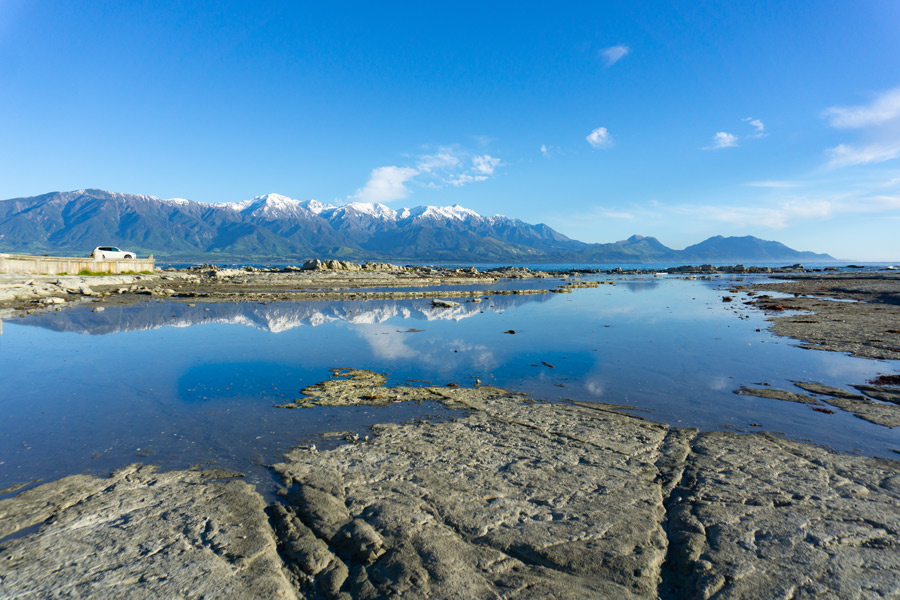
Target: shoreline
column 316, row 280
column 24, row 294
column 517, row 497
column 857, row 313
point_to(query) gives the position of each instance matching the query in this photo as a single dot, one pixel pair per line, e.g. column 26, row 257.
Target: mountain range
column 275, row 228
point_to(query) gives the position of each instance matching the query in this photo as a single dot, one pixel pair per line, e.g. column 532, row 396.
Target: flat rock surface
column 351, row 387
column 880, row 413
column 760, row 517
column 523, row 499
column 516, row 499
column 865, row 323
column 775, row 394
column 519, row 499
column 826, row 390
column 883, row 393
column 140, row 534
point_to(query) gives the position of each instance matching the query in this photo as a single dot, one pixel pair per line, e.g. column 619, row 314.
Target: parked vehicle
column 110, row 253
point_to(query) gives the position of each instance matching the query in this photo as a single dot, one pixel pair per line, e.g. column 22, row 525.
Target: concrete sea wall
column 59, row 265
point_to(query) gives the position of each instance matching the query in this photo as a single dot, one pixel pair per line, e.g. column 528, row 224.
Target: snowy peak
column 277, row 200
column 441, row 213
column 178, row 201
column 106, row 195
column 271, row 206
column 379, row 211
column 316, row 207
column 451, row 213
column 276, row 206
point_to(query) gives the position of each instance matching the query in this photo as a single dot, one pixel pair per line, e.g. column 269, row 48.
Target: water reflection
column 275, row 317
column 641, row 285
column 178, row 384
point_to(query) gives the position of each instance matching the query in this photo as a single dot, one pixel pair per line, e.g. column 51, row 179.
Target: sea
column 180, row 384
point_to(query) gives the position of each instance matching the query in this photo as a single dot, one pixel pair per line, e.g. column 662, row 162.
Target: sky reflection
column 178, row 384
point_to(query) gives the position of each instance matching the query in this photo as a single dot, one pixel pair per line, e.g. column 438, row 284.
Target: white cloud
column 879, row 125
column 723, row 139
column 386, row 184
column 600, row 138
column 449, row 166
column 844, row 155
column 485, row 164
column 549, row 151
column 441, row 160
column 463, row 179
column 885, row 107
column 614, row 54
column 758, row 126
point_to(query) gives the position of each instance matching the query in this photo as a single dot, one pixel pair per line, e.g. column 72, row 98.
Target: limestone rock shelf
column 515, row 499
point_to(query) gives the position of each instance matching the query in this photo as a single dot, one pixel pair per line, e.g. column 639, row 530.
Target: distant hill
column 636, row 249
column 727, row 249
column 278, row 228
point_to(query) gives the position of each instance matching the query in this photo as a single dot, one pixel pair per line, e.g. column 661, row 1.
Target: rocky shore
column 516, row 499
column 858, row 313
column 316, row 280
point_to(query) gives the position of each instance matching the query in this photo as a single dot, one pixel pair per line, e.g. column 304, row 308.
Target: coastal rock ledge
column 140, row 534
column 516, row 499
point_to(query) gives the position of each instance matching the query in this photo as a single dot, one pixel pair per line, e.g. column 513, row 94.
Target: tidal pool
column 180, row 384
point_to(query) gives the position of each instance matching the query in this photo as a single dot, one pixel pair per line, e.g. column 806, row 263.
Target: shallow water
column 178, row 384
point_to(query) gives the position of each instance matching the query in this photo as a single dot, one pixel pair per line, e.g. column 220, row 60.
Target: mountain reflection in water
column 275, row 317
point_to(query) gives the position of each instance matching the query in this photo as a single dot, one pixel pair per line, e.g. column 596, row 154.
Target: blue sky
column 679, row 120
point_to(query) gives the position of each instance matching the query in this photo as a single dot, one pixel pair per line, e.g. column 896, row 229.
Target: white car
column 110, row 252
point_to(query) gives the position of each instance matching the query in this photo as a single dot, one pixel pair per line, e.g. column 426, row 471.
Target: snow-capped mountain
column 278, row 228
column 276, row 206
column 273, row 207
